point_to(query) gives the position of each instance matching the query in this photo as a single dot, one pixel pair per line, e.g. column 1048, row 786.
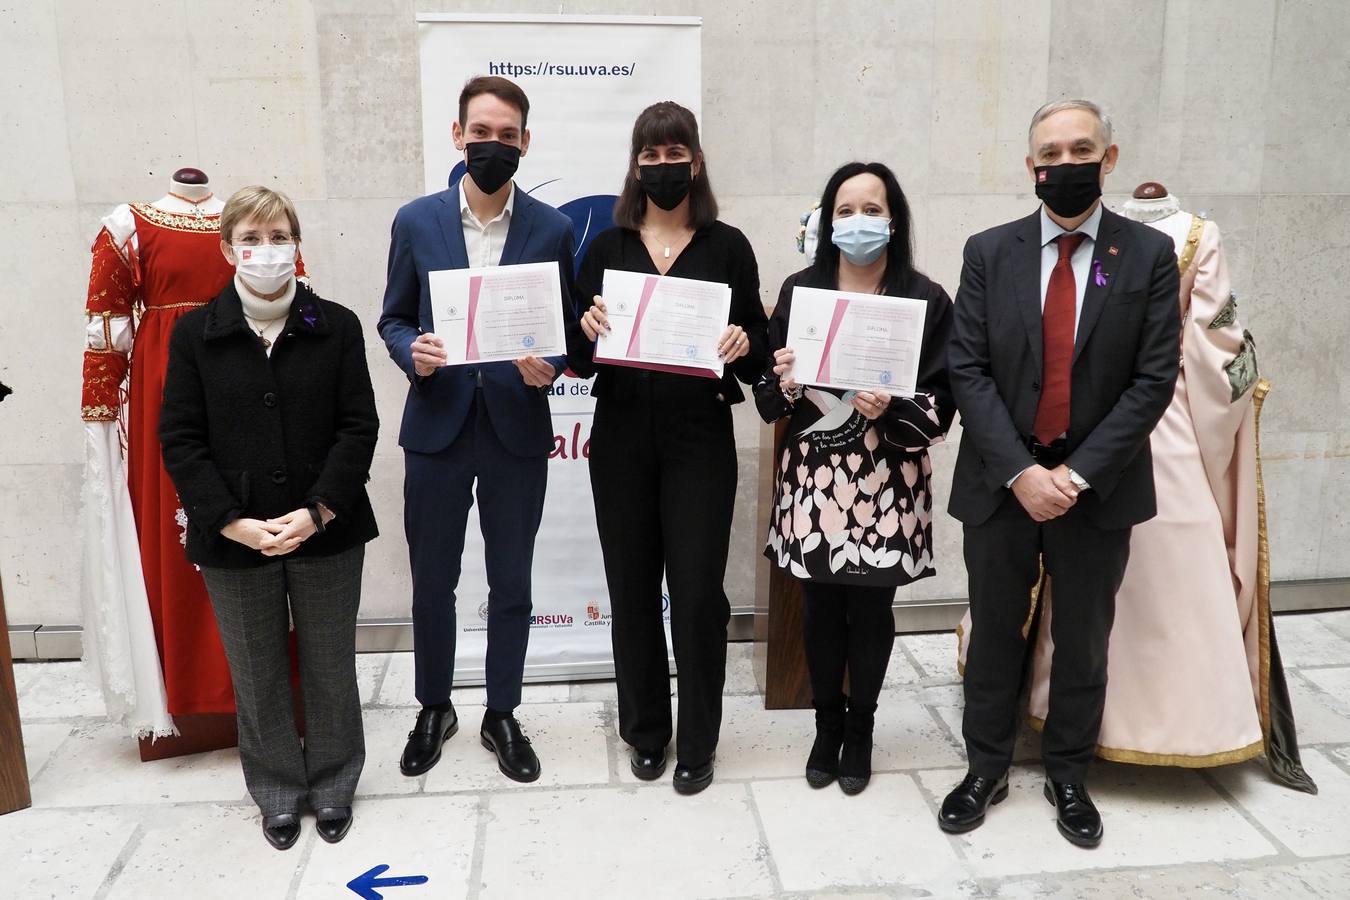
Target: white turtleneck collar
column 265, row 318
column 255, row 307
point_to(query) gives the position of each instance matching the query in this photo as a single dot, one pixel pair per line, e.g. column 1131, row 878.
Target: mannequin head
column 1150, row 190
column 190, row 184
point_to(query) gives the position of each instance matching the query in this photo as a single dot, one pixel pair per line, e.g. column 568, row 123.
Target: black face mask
column 667, row 184
column 491, row 164
column 1069, row 188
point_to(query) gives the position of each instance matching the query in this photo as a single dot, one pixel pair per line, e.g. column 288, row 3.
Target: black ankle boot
column 855, row 762
column 822, row 766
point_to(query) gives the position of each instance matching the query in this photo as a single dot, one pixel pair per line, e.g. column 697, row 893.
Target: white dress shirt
column 484, row 242
column 1081, row 259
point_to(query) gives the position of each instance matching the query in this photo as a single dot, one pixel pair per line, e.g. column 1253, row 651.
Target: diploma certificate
column 860, row 342
column 498, row 313
column 663, row 323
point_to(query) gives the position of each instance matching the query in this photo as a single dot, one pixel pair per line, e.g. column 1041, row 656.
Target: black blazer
column 245, row 435
column 1124, row 367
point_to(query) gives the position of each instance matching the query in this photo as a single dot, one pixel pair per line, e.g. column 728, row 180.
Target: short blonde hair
column 256, row 203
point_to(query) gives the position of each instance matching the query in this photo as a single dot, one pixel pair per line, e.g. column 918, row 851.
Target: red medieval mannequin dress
column 153, row 262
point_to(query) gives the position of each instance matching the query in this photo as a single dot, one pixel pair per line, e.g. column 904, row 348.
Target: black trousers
column 663, row 474
column 438, row 491
column 1003, row 557
column 848, row 627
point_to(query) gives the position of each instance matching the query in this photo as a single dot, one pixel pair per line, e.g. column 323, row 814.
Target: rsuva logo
column 590, row 215
column 552, row 620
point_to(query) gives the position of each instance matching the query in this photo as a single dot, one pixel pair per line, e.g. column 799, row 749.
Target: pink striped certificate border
column 849, row 341
column 632, row 299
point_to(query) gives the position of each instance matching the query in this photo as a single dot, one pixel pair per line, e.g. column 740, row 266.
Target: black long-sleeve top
column 717, row 252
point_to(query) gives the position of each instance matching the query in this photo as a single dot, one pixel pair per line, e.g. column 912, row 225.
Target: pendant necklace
column 196, row 204
column 267, row 344
column 665, row 254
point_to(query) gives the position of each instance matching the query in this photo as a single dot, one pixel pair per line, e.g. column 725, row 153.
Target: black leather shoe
column 282, row 831
column 423, row 750
column 965, row 807
column 334, row 822
column 515, row 756
column 1077, row 818
column 692, row 779
column 648, row 765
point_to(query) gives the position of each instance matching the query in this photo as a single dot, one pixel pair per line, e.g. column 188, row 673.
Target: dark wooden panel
column 781, row 661
column 14, row 792
column 787, row 685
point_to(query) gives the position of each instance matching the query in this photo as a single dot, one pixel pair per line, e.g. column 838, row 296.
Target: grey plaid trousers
column 253, row 608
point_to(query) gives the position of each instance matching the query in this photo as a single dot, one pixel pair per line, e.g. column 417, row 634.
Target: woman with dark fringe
column 852, row 513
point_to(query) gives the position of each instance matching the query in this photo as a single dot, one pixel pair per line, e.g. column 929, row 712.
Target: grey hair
column 1054, row 106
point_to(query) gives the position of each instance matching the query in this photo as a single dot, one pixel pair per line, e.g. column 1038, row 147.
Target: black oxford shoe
column 648, row 765
column 515, row 757
column 692, row 779
column 281, row 831
column 1076, row 816
column 423, row 750
column 965, row 807
column 334, row 822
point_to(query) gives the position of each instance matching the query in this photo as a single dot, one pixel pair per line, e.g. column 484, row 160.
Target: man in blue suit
column 487, row 423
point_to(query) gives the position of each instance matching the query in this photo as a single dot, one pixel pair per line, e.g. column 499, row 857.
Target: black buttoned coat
column 247, row 435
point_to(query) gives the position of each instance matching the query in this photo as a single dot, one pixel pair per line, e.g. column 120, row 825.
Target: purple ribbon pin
column 1098, row 275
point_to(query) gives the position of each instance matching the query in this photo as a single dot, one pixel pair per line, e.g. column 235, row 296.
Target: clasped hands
column 1045, row 493
column 272, row 537
column 870, row 403
column 428, row 355
column 732, row 345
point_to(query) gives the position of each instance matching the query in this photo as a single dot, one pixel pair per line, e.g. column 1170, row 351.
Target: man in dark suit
column 1063, row 357
column 485, row 423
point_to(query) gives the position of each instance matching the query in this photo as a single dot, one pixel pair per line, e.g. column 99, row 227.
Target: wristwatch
column 1079, row 481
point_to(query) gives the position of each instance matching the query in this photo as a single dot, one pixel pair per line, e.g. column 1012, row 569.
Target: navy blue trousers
column 438, row 492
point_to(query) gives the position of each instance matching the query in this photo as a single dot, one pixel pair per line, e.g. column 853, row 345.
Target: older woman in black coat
column 268, row 429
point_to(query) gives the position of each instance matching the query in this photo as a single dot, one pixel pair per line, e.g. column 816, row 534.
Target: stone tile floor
column 104, row 824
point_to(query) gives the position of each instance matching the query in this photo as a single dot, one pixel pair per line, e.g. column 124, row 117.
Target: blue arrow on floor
column 364, row 885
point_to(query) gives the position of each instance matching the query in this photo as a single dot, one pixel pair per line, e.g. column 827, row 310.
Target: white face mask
column 266, row 267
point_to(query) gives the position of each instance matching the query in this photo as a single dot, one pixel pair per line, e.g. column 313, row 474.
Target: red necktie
column 1057, row 329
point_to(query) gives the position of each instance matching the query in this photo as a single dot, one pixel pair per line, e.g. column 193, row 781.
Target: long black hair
column 665, row 123
column 824, row 271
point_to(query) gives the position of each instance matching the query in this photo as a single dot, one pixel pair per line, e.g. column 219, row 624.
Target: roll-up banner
column 587, row 78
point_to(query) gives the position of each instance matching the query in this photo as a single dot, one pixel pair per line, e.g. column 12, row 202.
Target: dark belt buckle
column 1051, row 454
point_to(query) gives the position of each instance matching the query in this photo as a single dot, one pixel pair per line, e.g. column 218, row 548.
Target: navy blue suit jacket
column 428, row 236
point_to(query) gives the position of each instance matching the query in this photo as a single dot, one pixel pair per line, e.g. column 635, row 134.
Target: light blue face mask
column 861, row 238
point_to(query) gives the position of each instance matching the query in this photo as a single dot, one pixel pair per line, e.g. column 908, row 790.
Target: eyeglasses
column 255, row 240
